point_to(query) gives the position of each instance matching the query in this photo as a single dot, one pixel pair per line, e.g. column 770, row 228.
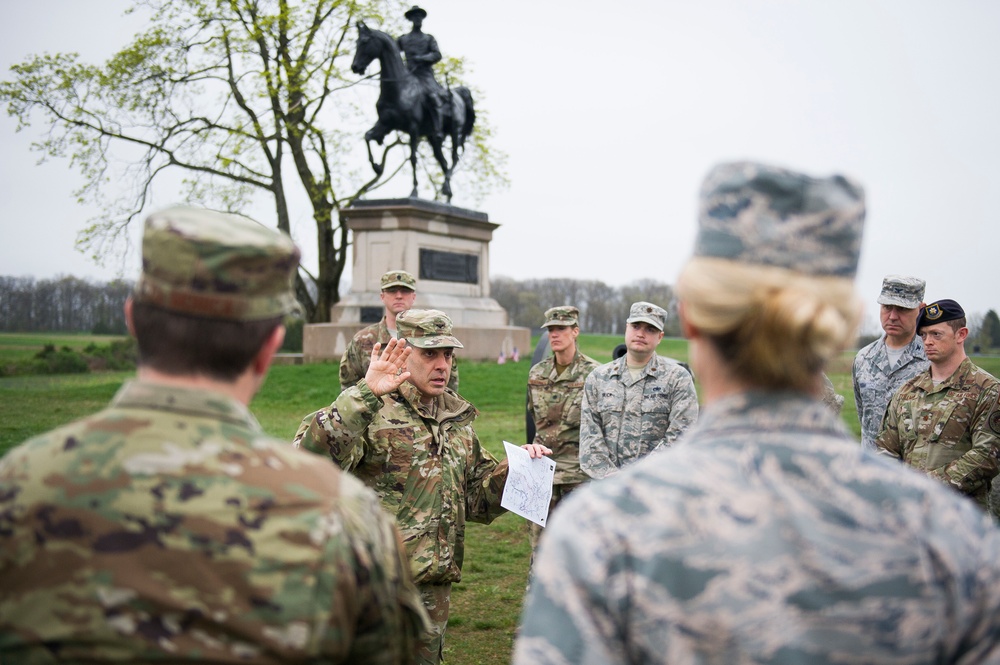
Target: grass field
column 486, row 604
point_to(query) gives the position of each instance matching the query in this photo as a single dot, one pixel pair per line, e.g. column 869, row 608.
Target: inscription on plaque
column 371, row 314
column 449, row 266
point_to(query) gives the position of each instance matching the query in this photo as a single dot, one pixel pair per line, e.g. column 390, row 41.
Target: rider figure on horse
column 422, row 52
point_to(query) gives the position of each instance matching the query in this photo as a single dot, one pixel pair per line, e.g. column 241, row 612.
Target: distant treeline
column 603, row 308
column 66, row 304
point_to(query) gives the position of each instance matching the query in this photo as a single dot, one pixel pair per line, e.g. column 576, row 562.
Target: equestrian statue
column 411, row 100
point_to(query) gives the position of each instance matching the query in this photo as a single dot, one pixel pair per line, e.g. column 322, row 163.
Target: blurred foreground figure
column 168, row 527
column 766, row 534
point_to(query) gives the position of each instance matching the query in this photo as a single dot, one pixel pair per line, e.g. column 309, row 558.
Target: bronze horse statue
column 403, row 105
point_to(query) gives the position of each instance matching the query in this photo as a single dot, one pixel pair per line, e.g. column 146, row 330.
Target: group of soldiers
column 169, row 527
column 921, row 400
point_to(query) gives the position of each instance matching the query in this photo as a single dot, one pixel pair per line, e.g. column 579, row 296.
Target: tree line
column 64, row 304
column 603, row 308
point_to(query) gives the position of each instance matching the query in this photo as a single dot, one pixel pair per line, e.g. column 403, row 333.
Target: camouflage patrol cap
column 760, row 214
column 565, row 315
column 939, row 312
column 426, row 329
column 398, row 278
column 902, row 291
column 649, row 313
column 216, row 265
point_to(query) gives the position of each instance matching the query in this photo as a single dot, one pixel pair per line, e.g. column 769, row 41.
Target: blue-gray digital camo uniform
column 875, row 382
column 816, row 552
column 625, row 419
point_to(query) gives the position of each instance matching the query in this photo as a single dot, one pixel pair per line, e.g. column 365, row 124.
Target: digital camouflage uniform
column 428, row 468
column 765, row 536
column 875, row 382
column 625, row 419
column 554, row 401
column 950, row 431
column 169, row 528
column 358, row 354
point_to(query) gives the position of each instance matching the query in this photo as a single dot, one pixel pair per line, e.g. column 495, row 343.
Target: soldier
column 766, row 535
column 555, row 391
column 638, row 403
column 399, row 290
column 168, row 527
column 887, row 363
column 946, row 421
column 410, row 438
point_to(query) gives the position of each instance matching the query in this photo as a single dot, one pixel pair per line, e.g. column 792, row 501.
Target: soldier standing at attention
column 887, row 363
column 404, row 434
column 555, row 392
column 946, row 421
column 638, row 403
column 766, row 535
column 399, row 290
column 168, row 527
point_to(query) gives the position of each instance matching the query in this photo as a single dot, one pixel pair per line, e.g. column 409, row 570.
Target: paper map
column 529, row 484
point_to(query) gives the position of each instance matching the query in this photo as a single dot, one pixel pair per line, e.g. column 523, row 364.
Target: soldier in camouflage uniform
column 169, row 527
column 887, row 363
column 399, row 290
column 766, row 535
column 946, row 421
column 409, row 437
column 555, row 392
column 638, row 403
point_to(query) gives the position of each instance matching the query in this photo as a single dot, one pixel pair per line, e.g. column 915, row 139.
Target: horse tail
column 470, row 113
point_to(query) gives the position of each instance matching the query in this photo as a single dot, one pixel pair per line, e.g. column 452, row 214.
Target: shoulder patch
column 994, row 420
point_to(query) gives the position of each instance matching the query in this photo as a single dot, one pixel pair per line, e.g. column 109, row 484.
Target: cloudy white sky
column 611, row 113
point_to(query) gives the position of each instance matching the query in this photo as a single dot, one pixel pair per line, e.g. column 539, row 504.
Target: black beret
column 939, row 312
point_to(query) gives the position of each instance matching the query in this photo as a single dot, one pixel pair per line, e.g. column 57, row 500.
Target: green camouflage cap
column 648, row 312
column 398, row 278
column 902, row 291
column 566, row 315
column 426, row 329
column 759, row 214
column 216, row 265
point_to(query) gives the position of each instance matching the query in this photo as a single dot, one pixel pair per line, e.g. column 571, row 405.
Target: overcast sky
column 611, row 114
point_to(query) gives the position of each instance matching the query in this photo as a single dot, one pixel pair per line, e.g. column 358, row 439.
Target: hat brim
column 403, row 284
column 898, row 302
column 652, row 322
column 571, row 322
column 435, row 342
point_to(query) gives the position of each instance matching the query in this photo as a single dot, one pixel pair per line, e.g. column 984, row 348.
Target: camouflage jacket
column 950, row 431
column 358, row 354
column 874, row 382
column 625, row 419
column 428, row 469
column 169, row 528
column 554, row 402
column 765, row 535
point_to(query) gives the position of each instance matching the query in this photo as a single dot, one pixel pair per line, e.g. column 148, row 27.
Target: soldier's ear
column 128, row 316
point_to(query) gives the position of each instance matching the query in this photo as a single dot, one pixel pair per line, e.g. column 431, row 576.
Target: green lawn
column 487, row 602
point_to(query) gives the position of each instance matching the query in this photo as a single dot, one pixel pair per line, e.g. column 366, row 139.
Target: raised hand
column 387, row 369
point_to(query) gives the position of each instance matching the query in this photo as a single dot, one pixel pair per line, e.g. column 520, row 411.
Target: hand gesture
column 387, row 369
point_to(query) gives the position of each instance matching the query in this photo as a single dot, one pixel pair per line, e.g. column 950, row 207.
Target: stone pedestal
column 446, row 249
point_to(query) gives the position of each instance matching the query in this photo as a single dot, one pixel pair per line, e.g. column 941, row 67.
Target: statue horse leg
column 436, row 145
column 377, row 134
column 414, row 144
